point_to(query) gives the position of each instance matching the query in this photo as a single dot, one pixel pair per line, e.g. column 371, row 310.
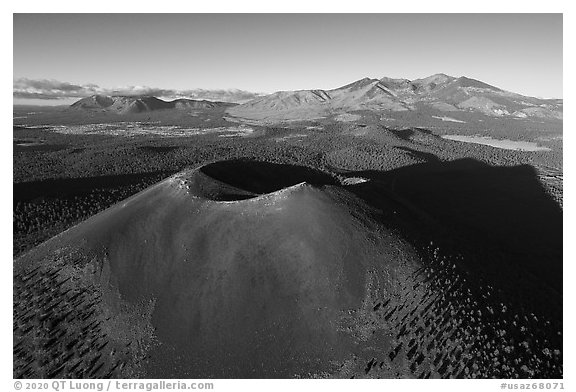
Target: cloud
column 49, row 89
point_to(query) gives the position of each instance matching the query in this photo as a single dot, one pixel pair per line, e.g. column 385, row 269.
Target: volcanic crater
column 248, row 269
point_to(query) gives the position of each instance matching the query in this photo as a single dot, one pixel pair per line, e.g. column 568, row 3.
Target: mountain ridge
column 124, row 104
column 441, row 92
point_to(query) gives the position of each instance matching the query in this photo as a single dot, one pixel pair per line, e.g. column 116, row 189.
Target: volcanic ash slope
column 223, row 281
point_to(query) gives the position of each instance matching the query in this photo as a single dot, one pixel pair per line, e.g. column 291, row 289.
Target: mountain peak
column 124, row 104
column 358, row 84
column 464, row 81
column 438, row 78
column 441, row 75
column 393, row 84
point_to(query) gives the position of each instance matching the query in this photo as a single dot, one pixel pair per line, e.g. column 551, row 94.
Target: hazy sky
column 266, row 53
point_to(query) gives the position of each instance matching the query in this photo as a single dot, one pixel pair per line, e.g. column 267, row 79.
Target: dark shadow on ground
column 26, row 191
column 420, row 155
column 501, row 218
column 404, row 133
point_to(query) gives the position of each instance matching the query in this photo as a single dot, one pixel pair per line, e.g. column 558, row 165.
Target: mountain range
column 138, row 104
column 440, row 93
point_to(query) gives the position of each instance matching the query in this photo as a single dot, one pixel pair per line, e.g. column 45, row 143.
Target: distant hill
column 139, row 104
column 438, row 92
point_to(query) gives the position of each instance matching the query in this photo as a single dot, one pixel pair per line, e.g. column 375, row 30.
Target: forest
column 61, row 179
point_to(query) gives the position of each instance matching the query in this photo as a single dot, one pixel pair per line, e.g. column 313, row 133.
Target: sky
column 61, row 57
